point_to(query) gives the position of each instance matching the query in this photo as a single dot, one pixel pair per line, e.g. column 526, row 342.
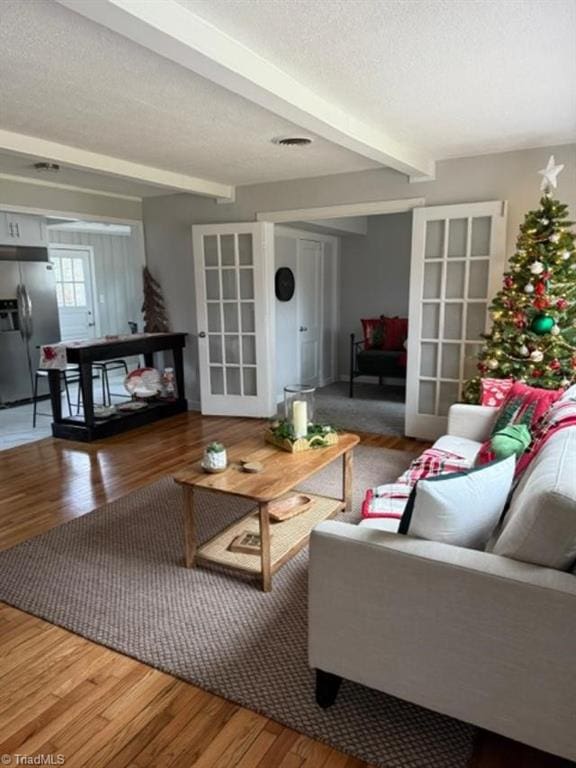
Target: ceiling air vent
column 293, row 141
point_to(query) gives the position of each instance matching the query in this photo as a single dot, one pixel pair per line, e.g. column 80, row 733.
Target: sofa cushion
column 463, row 446
column 388, row 524
column 395, row 332
column 540, row 525
column 373, row 330
column 494, row 391
column 462, row 508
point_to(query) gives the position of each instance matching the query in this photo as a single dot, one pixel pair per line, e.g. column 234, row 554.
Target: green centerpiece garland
column 317, row 433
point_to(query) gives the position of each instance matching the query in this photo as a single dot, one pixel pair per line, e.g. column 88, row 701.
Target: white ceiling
column 69, row 80
column 457, row 77
column 444, row 77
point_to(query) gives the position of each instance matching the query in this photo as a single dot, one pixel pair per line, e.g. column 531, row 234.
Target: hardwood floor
column 63, row 695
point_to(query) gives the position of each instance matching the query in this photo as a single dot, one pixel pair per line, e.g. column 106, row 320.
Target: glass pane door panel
column 215, row 348
column 230, row 312
column 249, row 378
column 450, row 361
column 227, row 252
column 249, row 350
column 471, row 352
column 478, row 279
column 448, row 396
column 214, row 318
column 216, row 380
column 427, row 397
column 455, row 273
column 245, row 250
column 232, row 350
column 248, row 321
column 433, row 280
column 211, row 251
column 246, row 284
column 476, row 321
column 429, row 360
column 233, row 381
column 212, row 285
column 480, row 240
column 430, row 321
column 434, row 248
column 457, row 238
column 453, row 320
column 229, row 291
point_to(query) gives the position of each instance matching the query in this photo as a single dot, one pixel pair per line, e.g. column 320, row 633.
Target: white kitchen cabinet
column 22, row 229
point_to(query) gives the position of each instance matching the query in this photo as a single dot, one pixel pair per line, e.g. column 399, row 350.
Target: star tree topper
column 550, row 174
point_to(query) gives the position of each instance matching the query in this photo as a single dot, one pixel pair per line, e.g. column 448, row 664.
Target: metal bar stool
column 42, row 373
column 106, row 367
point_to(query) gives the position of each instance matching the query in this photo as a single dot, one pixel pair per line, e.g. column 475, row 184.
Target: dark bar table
column 83, row 354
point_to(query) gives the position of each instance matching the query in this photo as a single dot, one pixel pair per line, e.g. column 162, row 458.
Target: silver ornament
column 492, row 364
column 555, row 238
column 537, row 356
column 566, row 255
column 524, row 351
column 528, row 288
column 555, row 330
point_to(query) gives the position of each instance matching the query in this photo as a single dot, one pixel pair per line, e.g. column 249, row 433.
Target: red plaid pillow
column 395, row 333
column 373, row 329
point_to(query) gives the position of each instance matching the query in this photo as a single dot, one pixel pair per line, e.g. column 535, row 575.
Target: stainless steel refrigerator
column 28, row 319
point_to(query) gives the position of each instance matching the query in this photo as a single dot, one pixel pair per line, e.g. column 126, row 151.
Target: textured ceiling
column 456, row 77
column 68, row 80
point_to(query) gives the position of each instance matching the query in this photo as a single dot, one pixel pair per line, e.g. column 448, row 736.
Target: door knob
column 91, row 325
column 202, row 335
column 303, row 328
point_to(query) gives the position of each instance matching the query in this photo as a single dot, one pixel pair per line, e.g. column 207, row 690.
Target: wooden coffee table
column 282, row 473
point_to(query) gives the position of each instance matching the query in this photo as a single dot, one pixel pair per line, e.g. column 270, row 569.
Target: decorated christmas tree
column 533, row 333
column 155, row 315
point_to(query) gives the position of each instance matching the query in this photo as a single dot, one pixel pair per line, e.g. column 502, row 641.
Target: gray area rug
column 115, row 576
column 374, row 408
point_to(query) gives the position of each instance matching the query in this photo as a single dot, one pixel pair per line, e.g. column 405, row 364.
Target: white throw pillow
column 462, row 508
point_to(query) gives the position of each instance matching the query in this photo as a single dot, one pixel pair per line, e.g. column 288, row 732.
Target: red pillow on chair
column 395, row 333
column 373, row 329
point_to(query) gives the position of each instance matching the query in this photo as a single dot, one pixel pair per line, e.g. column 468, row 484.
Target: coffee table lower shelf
column 286, row 537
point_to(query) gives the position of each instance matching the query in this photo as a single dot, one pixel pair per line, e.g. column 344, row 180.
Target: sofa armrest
column 470, row 634
column 472, row 421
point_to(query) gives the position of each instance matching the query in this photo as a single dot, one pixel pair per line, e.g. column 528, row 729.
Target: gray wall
column 118, row 273
column 375, row 274
column 510, row 176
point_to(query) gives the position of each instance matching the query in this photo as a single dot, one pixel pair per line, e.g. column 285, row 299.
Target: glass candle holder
column 299, row 408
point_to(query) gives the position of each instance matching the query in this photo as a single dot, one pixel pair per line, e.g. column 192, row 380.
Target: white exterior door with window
column 234, row 276
column 458, row 256
column 75, row 291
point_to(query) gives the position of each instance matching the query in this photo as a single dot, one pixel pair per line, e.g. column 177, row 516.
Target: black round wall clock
column 284, row 283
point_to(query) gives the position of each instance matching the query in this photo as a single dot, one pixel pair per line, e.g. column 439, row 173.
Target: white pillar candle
column 300, row 418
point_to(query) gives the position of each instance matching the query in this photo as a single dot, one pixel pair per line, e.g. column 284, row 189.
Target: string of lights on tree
column 533, row 333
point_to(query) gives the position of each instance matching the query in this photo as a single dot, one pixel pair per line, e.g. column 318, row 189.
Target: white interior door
column 309, row 310
column 234, row 276
column 75, row 291
column 458, row 255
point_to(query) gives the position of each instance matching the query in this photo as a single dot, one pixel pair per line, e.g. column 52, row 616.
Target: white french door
column 458, row 256
column 234, row 276
column 310, row 298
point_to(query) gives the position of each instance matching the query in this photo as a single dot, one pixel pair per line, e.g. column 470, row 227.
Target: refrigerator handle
column 28, row 311
column 21, row 311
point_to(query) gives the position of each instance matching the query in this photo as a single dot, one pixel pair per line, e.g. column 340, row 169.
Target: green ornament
column 542, row 324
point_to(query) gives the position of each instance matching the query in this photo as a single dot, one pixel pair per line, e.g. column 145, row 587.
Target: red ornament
column 546, row 275
column 540, row 289
column 541, row 302
column 537, row 373
column 508, row 282
column 555, row 365
column 519, row 320
column 562, row 304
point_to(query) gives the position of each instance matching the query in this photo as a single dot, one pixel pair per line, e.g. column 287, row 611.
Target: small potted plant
column 215, row 459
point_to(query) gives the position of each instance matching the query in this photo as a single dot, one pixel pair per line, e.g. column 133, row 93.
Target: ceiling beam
column 72, row 157
column 176, row 33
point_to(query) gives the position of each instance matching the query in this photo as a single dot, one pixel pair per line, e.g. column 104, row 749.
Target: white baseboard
column 388, row 380
column 194, row 405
